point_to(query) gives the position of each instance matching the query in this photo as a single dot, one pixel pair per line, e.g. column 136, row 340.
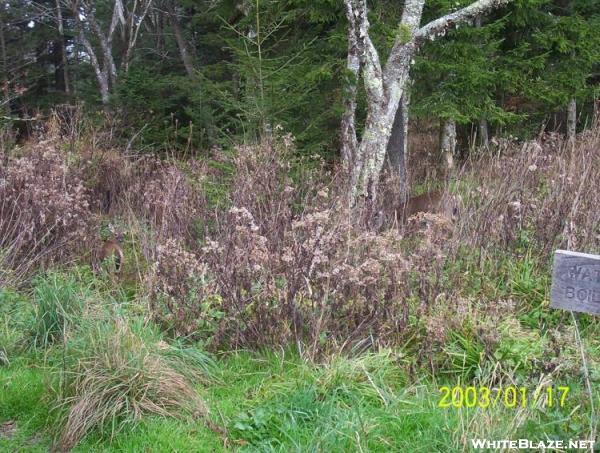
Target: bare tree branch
column 440, row 26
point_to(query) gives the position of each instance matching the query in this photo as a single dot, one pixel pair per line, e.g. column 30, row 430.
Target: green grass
column 278, row 402
column 22, row 390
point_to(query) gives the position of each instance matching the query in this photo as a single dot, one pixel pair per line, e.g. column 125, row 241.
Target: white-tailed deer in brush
column 110, row 251
column 435, row 202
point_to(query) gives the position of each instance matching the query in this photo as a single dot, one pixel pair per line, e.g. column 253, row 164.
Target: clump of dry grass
column 116, row 373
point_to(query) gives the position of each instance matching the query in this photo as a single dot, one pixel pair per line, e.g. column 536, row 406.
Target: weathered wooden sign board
column 576, row 282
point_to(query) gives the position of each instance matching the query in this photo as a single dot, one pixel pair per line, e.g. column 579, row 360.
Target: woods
column 240, row 56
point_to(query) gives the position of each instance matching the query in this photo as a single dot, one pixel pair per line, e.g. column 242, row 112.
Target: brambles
column 282, row 261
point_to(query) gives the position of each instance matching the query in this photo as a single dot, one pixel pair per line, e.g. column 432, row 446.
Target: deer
column 436, row 202
column 111, row 249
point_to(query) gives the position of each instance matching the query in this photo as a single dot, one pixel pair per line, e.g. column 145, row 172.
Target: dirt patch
column 35, row 439
column 8, row 429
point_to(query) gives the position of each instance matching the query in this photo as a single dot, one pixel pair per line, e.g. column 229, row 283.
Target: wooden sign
column 576, row 282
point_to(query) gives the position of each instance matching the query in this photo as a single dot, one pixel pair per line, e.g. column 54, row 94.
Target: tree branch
column 369, row 57
column 403, row 45
column 440, row 26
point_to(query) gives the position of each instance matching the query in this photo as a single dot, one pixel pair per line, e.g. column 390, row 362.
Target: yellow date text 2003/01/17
column 510, row 397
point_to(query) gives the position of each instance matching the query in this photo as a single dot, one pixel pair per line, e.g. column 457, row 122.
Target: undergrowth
column 369, row 316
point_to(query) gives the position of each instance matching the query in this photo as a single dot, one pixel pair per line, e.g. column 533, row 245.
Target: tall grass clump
column 59, row 300
column 117, row 371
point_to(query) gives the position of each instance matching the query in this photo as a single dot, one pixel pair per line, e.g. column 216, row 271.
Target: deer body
column 110, row 249
column 434, row 202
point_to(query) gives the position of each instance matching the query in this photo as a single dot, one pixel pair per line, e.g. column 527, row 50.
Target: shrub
column 182, row 294
column 44, row 213
column 283, row 275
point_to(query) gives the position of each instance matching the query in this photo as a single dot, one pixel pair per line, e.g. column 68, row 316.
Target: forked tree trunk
column 571, row 119
column 106, row 72
column 134, row 23
column 385, row 85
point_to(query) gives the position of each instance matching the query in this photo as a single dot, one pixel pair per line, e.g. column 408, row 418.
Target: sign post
column 576, row 282
column 576, row 287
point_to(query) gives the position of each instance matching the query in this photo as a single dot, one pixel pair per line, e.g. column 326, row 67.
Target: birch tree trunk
column 571, row 119
column 385, row 85
column 84, row 15
column 99, row 71
column 134, row 24
column 448, row 145
column 184, row 51
column 103, row 72
column 348, row 126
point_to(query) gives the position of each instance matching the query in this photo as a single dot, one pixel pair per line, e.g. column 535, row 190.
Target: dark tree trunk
column 397, row 148
column 448, row 145
column 57, row 62
column 62, row 72
column 484, row 136
column 5, row 94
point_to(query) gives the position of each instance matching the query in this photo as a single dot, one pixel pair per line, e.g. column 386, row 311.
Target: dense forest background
column 182, row 74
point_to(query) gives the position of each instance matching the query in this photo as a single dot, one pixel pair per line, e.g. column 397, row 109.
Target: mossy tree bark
column 385, row 84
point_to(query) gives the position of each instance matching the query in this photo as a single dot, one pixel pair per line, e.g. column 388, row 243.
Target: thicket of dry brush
column 283, row 259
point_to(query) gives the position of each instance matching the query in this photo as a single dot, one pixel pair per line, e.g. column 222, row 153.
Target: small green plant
column 466, row 354
column 526, row 280
column 518, row 347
